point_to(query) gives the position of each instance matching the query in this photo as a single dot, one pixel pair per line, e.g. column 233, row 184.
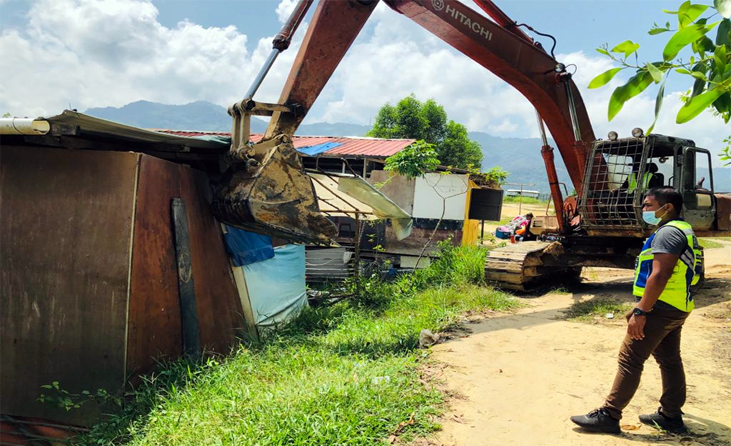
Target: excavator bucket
column 272, row 195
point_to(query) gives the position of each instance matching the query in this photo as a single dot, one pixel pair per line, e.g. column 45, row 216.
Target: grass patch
column 709, row 243
column 346, row 374
column 589, row 310
column 526, row 200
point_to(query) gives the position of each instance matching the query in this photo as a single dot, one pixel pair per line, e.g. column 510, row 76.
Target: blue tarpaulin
column 277, row 286
column 246, row 247
column 315, row 150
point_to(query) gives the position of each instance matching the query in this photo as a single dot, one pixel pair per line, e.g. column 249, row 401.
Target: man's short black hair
column 665, row 195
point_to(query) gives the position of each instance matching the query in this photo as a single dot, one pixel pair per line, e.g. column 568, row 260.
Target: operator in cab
column 665, row 271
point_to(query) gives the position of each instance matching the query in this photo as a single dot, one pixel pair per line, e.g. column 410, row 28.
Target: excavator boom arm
column 265, row 188
column 500, row 47
column 334, row 27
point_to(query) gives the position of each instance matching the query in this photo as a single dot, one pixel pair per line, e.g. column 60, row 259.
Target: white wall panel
column 430, row 190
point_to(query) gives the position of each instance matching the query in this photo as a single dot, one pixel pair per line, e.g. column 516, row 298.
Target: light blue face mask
column 650, row 218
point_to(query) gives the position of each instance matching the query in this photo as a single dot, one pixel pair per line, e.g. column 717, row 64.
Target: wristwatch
column 639, row 312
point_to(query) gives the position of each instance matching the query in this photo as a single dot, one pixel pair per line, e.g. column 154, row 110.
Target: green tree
column 690, row 51
column 414, row 161
column 427, row 121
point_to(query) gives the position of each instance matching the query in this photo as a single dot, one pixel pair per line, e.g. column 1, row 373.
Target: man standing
column 664, row 274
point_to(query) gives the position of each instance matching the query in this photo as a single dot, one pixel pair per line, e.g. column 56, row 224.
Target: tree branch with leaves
column 707, row 65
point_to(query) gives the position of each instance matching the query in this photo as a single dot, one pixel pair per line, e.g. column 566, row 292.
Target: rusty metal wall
column 64, row 260
column 154, row 309
column 88, row 278
column 219, row 307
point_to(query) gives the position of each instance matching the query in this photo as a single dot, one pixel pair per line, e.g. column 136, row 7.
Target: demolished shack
column 111, row 259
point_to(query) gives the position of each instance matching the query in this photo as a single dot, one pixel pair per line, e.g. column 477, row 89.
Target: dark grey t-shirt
column 667, row 240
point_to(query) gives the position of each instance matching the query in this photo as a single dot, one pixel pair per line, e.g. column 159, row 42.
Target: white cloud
column 399, row 58
column 285, row 8
column 86, row 53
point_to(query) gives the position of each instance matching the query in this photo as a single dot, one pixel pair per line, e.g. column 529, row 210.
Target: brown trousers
column 662, row 340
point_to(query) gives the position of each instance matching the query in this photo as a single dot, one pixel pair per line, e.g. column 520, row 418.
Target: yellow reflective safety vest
column 685, row 274
column 632, row 182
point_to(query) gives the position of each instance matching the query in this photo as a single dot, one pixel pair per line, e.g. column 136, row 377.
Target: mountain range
column 521, row 157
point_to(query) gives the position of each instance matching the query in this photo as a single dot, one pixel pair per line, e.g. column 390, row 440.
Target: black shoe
column 597, row 420
column 658, row 419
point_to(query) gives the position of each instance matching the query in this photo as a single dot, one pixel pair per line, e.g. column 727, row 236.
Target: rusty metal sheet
column 220, row 316
column 333, row 28
column 154, row 308
column 64, row 260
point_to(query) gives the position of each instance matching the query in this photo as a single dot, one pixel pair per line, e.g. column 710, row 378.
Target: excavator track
column 522, row 266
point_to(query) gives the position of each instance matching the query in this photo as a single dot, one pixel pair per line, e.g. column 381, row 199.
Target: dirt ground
column 516, row 379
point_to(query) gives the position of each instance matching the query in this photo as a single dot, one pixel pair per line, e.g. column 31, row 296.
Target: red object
column 500, row 47
column 547, row 153
column 32, row 431
column 333, row 28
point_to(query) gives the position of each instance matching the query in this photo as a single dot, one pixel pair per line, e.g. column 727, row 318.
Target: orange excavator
column 265, row 188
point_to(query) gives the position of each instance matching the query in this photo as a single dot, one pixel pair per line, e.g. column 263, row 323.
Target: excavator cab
column 621, row 170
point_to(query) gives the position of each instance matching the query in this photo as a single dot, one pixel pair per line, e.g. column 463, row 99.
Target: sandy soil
column 516, row 379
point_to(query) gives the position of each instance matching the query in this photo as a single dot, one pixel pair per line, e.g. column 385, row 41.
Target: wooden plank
column 65, row 236
column 539, row 271
column 186, row 286
column 504, row 266
column 154, row 310
column 504, row 277
column 238, row 274
column 220, row 313
column 526, row 261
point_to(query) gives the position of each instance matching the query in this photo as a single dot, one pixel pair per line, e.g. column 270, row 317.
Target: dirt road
column 516, row 379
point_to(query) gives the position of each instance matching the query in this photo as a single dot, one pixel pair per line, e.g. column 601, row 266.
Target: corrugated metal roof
column 92, row 126
column 348, row 145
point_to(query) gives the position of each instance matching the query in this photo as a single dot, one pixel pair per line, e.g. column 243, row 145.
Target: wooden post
column 520, row 201
column 356, row 273
column 188, row 311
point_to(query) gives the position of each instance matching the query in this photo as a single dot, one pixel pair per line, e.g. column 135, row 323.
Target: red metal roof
column 349, row 145
column 192, row 133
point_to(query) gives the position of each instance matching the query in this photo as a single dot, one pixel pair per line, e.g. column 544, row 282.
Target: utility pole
column 520, row 200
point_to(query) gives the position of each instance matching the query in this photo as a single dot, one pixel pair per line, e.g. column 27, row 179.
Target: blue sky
column 574, row 22
column 87, row 53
